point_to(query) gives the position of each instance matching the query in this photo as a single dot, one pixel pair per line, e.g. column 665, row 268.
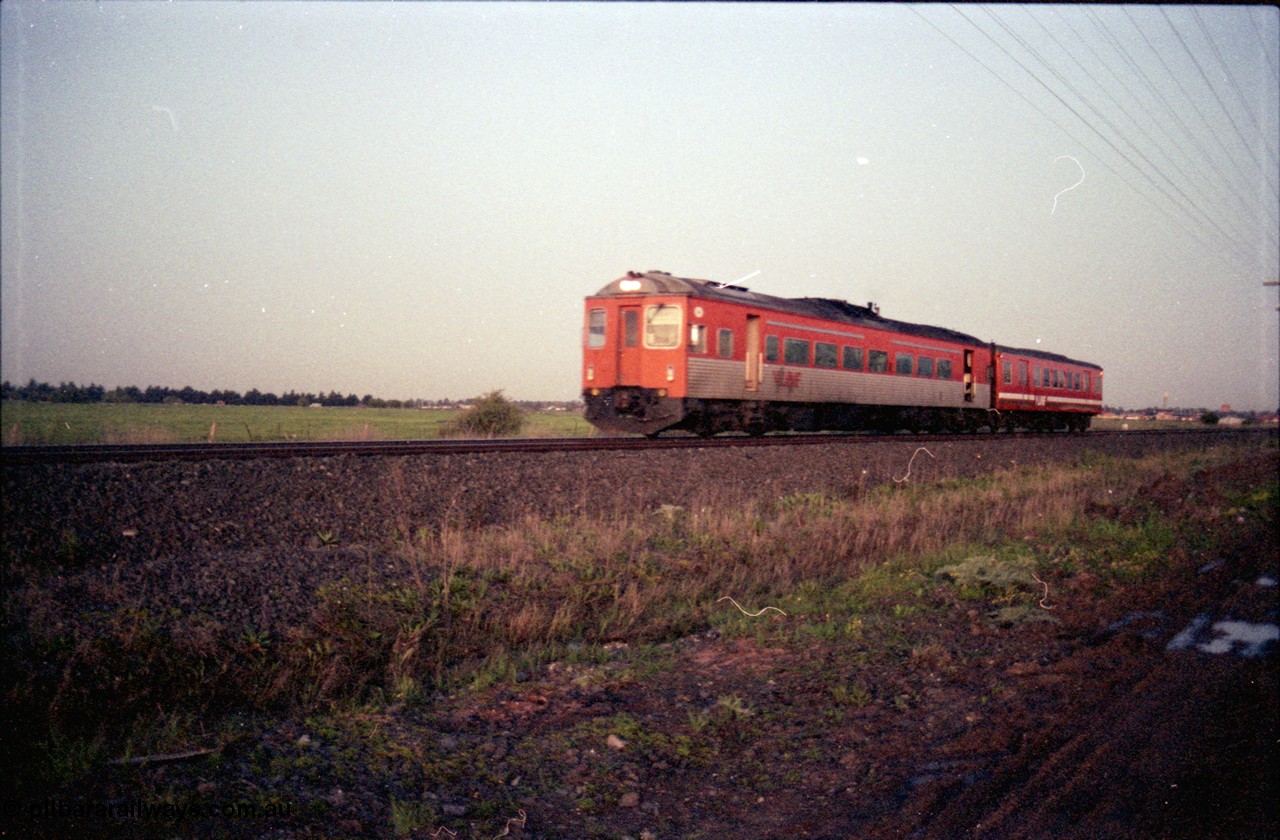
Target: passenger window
column 771, row 348
column 944, row 368
column 1022, row 374
column 878, row 361
column 795, row 351
column 595, row 328
column 662, row 326
column 824, row 354
column 724, row 344
column 1036, row 375
column 698, row 338
column 853, row 358
column 924, row 367
column 1088, row 382
column 904, row 363
column 1008, row 372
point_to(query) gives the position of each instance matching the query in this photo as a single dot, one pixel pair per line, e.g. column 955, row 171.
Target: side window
column 853, row 358
column 662, row 326
column 1088, row 382
column 824, row 354
column 903, row 364
column 1022, row 373
column 1036, row 376
column 878, row 361
column 924, row 367
column 724, row 344
column 698, row 338
column 1078, row 388
column 795, row 351
column 1007, row 372
column 771, row 348
column 944, row 368
column 595, row 328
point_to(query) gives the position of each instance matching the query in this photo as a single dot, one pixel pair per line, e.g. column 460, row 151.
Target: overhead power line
column 1179, row 175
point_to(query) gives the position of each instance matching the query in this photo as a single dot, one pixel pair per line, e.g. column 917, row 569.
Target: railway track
column 128, row 453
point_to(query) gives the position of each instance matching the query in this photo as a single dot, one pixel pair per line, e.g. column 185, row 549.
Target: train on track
column 670, row 353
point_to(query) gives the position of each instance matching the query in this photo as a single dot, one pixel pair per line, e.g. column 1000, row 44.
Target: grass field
column 27, row 423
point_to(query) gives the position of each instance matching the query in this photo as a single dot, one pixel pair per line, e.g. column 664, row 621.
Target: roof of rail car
column 651, row 283
column 660, row 283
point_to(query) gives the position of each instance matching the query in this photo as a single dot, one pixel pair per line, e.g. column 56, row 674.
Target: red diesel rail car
column 663, row 352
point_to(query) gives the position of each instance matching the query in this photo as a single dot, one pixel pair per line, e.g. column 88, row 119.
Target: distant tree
column 491, row 415
column 128, row 394
column 1210, row 418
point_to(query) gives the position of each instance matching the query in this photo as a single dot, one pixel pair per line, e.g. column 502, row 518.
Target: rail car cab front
column 634, row 354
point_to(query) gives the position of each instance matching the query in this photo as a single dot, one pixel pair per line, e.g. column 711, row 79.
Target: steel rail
column 132, row 453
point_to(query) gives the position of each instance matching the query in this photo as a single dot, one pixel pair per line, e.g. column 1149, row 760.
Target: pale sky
column 412, row 200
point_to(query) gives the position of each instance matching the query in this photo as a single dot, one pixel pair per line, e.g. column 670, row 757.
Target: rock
column 615, row 743
column 630, row 799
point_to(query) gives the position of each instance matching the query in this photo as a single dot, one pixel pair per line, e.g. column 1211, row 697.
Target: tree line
column 70, row 392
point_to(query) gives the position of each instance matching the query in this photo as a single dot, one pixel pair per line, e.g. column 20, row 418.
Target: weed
column 733, row 706
column 408, row 817
column 855, row 694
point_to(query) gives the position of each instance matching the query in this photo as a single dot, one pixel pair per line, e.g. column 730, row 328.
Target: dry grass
column 476, row 602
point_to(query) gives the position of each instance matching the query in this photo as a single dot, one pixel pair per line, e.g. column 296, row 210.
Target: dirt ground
column 1145, row 709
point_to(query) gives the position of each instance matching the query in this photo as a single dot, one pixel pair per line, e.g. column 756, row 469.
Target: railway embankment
column 103, row 512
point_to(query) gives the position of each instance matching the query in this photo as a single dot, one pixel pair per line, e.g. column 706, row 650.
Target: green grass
column 66, row 423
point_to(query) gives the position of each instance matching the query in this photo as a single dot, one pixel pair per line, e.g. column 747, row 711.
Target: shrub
column 492, row 415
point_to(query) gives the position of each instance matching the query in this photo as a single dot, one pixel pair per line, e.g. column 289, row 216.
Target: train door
column 629, row 345
column 755, row 357
column 968, row 376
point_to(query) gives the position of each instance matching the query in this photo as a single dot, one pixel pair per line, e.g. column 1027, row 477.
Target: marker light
column 591, row 372
column 671, row 373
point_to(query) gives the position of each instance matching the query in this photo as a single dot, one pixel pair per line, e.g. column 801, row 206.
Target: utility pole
column 1274, row 283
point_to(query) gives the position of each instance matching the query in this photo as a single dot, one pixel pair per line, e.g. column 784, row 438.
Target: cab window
column 662, row 326
column 595, row 328
column 698, row 338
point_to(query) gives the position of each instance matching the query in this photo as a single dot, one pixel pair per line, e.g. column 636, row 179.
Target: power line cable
column 1161, row 145
column 1190, row 229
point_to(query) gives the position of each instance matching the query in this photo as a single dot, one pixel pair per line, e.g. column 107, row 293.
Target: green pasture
column 26, row 423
